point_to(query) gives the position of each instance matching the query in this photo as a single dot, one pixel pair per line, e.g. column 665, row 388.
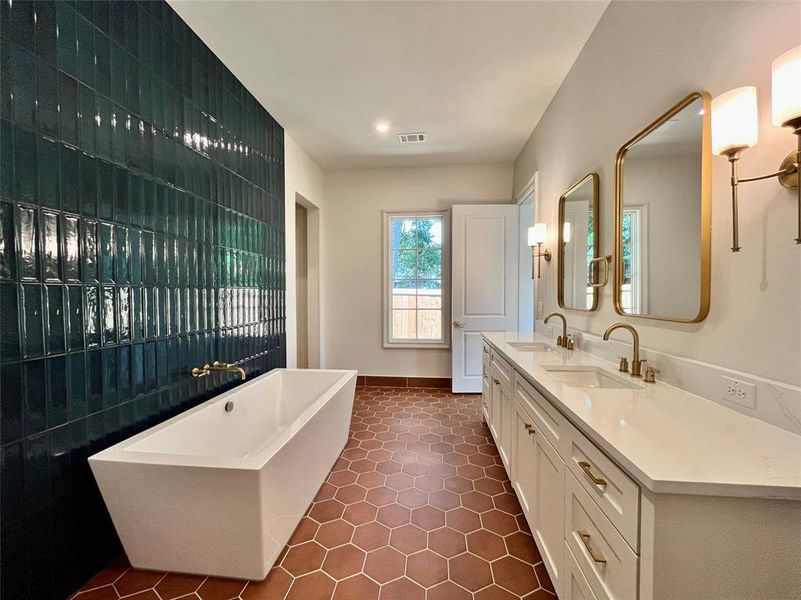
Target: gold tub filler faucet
column 218, row 366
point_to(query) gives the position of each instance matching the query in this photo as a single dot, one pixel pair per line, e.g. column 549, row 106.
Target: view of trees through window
column 416, row 247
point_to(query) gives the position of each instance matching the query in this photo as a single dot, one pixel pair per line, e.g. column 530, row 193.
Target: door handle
column 457, row 323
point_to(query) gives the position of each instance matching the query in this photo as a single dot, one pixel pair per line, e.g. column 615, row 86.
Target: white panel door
column 483, row 284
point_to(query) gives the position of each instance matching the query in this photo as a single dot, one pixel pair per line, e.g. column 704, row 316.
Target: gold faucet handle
column 197, row 372
column 650, row 374
column 623, row 366
column 220, row 365
column 570, row 344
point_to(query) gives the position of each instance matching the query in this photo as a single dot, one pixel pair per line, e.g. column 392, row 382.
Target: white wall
column 303, row 182
column 352, row 229
column 640, row 60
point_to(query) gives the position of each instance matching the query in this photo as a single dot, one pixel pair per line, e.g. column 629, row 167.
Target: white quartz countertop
column 671, row 441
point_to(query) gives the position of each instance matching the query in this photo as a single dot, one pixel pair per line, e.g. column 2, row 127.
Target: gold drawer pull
column 496, row 381
column 530, row 429
column 585, row 466
column 585, row 539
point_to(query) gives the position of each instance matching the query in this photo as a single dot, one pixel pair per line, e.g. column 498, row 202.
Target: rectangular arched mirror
column 578, row 245
column 662, row 216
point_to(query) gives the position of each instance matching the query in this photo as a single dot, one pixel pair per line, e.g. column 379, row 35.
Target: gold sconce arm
column 788, row 177
column 538, row 253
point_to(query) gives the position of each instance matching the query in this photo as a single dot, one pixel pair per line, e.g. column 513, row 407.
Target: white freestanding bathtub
column 219, row 493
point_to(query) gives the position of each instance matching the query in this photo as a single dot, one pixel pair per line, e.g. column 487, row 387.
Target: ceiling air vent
column 412, row 138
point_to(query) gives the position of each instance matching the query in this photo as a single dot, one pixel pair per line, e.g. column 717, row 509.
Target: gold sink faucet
column 636, row 363
column 561, row 341
column 218, row 366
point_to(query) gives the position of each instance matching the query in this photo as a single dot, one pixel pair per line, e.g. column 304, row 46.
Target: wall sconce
column 566, row 232
column 735, row 128
column 536, row 237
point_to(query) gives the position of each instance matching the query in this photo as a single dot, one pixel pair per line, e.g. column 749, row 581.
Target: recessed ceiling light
column 382, row 127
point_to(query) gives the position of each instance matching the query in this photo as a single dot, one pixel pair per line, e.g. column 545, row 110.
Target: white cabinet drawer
column 602, row 555
column 575, row 585
column 614, row 491
column 549, row 421
column 502, row 370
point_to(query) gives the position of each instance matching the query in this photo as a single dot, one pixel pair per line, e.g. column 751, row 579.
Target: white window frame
column 445, row 341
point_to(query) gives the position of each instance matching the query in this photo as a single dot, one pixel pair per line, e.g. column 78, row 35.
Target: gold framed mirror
column 663, row 195
column 577, row 256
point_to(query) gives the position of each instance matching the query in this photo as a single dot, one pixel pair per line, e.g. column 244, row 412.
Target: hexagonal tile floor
column 418, row 507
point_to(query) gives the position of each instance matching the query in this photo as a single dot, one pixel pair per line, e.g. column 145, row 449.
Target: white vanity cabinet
column 604, row 535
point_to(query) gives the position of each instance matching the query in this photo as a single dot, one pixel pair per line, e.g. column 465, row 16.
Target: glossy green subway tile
column 37, row 476
column 45, row 34
column 76, row 376
column 35, row 407
column 109, row 315
column 25, row 172
column 55, row 319
column 110, row 375
column 32, row 321
column 118, row 60
column 94, row 381
column 56, row 391
column 49, row 181
column 74, row 320
column 86, row 52
column 105, row 113
column 70, row 178
column 70, row 243
column 6, row 159
column 11, row 402
column 27, row 242
column 67, row 45
column 51, row 253
column 105, row 189
column 90, row 240
column 8, row 254
column 87, row 122
column 68, row 108
column 47, row 99
column 91, row 307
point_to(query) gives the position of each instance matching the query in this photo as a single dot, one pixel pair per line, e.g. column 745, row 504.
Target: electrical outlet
column 738, row 391
column 540, row 309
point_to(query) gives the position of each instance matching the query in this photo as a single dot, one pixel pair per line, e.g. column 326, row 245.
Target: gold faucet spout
column 636, row 364
column 562, row 339
column 219, row 366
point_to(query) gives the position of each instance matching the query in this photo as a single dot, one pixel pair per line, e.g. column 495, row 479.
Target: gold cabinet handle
column 594, row 554
column 496, row 381
column 530, row 429
column 585, row 466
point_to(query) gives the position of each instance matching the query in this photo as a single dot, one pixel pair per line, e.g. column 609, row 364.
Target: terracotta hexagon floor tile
column 314, row 586
column 357, row 587
column 443, row 470
column 543, row 577
column 413, row 498
column 499, row 522
column 221, row 589
column 416, row 469
column 426, row 568
column 470, row 571
column 514, row 575
column 496, row 472
column 137, row 581
column 360, row 513
column 304, row 558
column 350, row 494
column 175, row 585
column 362, row 466
column 447, row 542
column 481, row 460
column 454, row 458
column 540, row 594
column 462, row 519
column 384, row 564
column 327, row 510
column 477, row 502
column 334, row 533
column 146, row 595
column 408, row 539
column 471, row 472
column 486, row 544
column 393, row 515
column 274, row 587
column 344, row 561
column 494, row 592
column 107, row 576
column 106, row 592
column 371, row 479
column 371, row 536
column 428, row 483
column 388, row 467
column 304, row 531
column 444, row 499
column 507, row 503
column 381, row 496
column 400, row 481
column 521, row 545
column 448, row 590
column 428, row 517
column 488, row 486
column 402, row 589
column 458, row 485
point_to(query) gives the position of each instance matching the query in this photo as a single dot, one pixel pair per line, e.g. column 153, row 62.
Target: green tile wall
column 141, row 234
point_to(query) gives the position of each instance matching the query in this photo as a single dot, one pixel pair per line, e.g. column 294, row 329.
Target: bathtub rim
column 119, row 453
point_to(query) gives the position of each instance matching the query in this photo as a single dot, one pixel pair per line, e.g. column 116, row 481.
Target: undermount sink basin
column 532, row 347
column 589, row 377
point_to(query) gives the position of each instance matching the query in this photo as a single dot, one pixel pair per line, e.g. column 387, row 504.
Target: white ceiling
column 475, row 76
